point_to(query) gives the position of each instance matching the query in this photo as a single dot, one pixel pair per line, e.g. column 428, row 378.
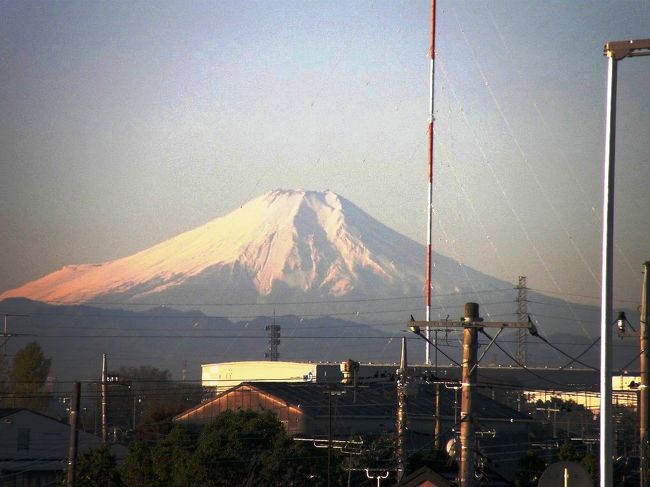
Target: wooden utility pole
column 468, row 383
column 74, row 434
column 471, row 323
column 104, row 386
column 644, row 392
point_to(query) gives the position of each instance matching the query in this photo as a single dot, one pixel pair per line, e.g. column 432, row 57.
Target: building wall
column 225, row 375
column 622, row 394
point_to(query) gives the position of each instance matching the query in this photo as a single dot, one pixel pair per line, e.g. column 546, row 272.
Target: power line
column 573, row 359
column 517, row 362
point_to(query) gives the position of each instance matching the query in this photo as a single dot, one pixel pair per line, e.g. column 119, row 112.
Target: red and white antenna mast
column 427, row 291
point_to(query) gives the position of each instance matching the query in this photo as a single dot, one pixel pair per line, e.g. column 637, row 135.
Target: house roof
column 379, row 400
column 8, row 411
column 376, row 400
column 424, row 477
column 4, row 412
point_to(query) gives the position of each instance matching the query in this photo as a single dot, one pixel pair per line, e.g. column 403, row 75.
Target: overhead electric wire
column 581, row 354
column 523, row 366
column 435, row 345
column 549, row 291
column 634, row 359
column 573, row 359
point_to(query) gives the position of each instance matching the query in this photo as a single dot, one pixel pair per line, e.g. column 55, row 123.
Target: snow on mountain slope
column 314, row 243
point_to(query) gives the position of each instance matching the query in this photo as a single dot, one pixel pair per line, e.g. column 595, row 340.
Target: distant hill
column 76, row 336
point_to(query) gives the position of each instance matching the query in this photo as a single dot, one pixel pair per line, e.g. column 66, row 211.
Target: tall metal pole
column 644, row 392
column 329, row 438
column 606, row 465
column 469, row 373
column 104, row 387
column 402, row 379
column 74, row 434
column 427, row 284
column 437, row 428
column 615, row 51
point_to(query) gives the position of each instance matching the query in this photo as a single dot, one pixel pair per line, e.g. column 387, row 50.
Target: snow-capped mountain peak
column 306, row 242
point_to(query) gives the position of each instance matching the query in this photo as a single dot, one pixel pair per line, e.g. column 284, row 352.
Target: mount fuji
column 285, row 244
column 343, row 283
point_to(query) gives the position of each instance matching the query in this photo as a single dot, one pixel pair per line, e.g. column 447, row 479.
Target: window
column 22, row 440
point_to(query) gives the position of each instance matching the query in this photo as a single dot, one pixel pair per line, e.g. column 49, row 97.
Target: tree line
column 242, row 448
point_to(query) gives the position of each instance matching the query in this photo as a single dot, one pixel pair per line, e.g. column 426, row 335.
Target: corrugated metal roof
column 377, row 400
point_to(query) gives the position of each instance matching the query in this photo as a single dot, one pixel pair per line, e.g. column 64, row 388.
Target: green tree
column 174, row 461
column 590, row 462
column 156, row 423
column 27, row 378
column 293, row 463
column 531, row 467
column 146, row 396
column 231, row 446
column 237, row 449
column 248, row 448
column 137, row 469
column 97, row 468
column 568, row 452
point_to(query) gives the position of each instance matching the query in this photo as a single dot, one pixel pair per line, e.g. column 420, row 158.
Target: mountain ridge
column 316, row 242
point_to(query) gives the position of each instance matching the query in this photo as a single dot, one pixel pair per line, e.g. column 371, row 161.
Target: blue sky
column 125, row 123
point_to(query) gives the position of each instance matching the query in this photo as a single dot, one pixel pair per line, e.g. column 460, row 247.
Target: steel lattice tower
column 522, row 315
column 273, row 332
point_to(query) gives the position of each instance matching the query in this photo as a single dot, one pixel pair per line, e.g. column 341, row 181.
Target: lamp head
column 620, row 322
column 413, row 328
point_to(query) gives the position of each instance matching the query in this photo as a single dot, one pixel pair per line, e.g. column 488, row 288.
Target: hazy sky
column 126, row 123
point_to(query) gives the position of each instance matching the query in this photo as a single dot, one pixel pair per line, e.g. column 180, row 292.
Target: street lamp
column 615, row 51
column 620, row 322
column 621, row 326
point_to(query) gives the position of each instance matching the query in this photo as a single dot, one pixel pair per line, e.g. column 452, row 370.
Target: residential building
column 34, row 448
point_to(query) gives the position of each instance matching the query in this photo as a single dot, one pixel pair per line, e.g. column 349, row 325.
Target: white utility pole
column 615, row 51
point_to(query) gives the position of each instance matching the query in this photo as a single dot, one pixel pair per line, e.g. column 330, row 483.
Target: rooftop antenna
column 427, row 291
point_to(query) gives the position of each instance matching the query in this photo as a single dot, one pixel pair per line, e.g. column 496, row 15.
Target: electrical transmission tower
column 273, row 332
column 522, row 315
